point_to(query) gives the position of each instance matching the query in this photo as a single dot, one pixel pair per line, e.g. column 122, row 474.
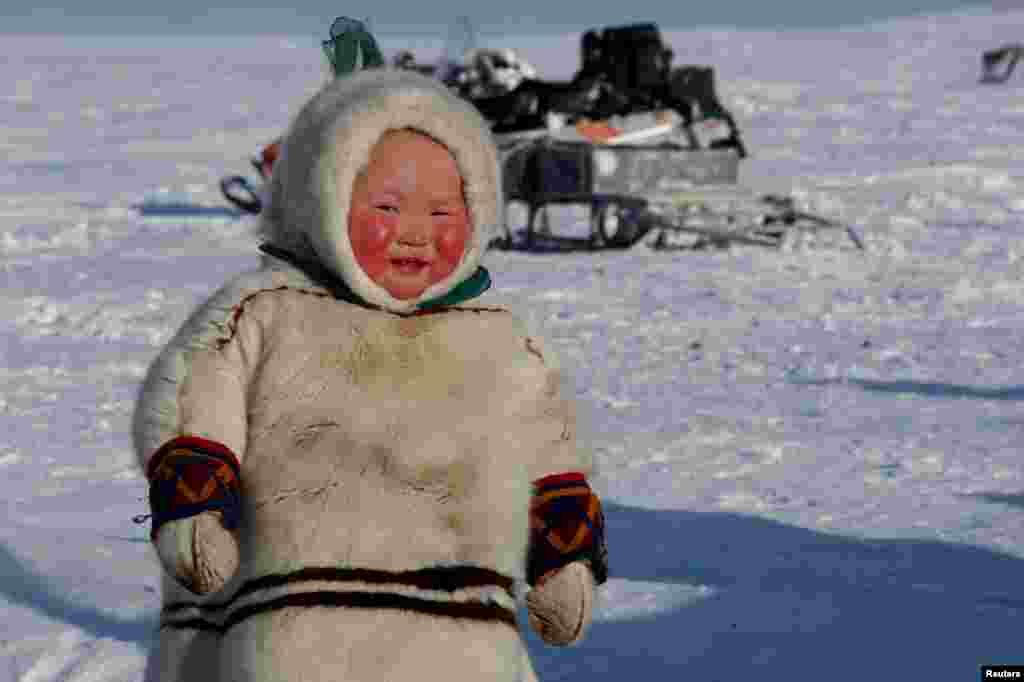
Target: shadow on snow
column 1010, row 499
column 931, row 389
column 779, row 600
column 23, row 586
column 789, row 603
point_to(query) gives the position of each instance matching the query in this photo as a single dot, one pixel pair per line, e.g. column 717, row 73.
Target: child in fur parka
column 352, row 469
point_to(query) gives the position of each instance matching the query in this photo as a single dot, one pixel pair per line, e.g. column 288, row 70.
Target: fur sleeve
column 197, row 384
column 566, row 520
column 556, row 416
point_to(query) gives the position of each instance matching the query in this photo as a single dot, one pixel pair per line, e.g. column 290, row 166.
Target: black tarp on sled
column 623, row 70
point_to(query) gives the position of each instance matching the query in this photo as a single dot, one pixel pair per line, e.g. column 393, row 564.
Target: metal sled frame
column 636, row 190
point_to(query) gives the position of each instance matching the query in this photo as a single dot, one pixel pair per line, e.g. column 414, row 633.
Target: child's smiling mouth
column 410, row 265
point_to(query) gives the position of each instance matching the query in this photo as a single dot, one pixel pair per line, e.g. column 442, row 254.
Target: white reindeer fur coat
column 368, row 439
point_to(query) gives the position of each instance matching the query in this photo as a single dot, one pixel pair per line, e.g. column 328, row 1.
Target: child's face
column 408, row 224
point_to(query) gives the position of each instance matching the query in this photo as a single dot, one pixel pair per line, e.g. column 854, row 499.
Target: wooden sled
column 649, row 183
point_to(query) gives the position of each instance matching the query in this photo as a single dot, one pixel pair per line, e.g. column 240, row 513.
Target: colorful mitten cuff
column 566, row 525
column 189, row 475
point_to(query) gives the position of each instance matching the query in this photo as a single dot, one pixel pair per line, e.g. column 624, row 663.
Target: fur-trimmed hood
column 308, row 217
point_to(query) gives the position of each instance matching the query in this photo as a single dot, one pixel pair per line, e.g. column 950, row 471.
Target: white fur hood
column 308, row 218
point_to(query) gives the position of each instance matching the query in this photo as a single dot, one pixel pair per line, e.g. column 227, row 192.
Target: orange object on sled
column 597, row 131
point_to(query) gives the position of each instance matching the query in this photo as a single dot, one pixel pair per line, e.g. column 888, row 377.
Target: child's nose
column 414, row 230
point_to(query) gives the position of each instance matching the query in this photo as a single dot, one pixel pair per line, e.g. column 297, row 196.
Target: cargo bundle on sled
column 646, row 147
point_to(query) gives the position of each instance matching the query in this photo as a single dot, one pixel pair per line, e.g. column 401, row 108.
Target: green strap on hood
column 477, row 284
column 467, row 289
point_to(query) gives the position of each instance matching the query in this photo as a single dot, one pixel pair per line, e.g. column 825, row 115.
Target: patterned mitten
column 567, row 557
column 194, row 497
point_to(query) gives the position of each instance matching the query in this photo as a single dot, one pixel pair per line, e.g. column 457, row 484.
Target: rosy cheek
column 451, row 244
column 371, row 236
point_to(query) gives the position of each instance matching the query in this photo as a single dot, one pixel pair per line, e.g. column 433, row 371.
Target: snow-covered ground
column 810, row 457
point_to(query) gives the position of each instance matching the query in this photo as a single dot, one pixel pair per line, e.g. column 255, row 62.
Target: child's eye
column 389, row 208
